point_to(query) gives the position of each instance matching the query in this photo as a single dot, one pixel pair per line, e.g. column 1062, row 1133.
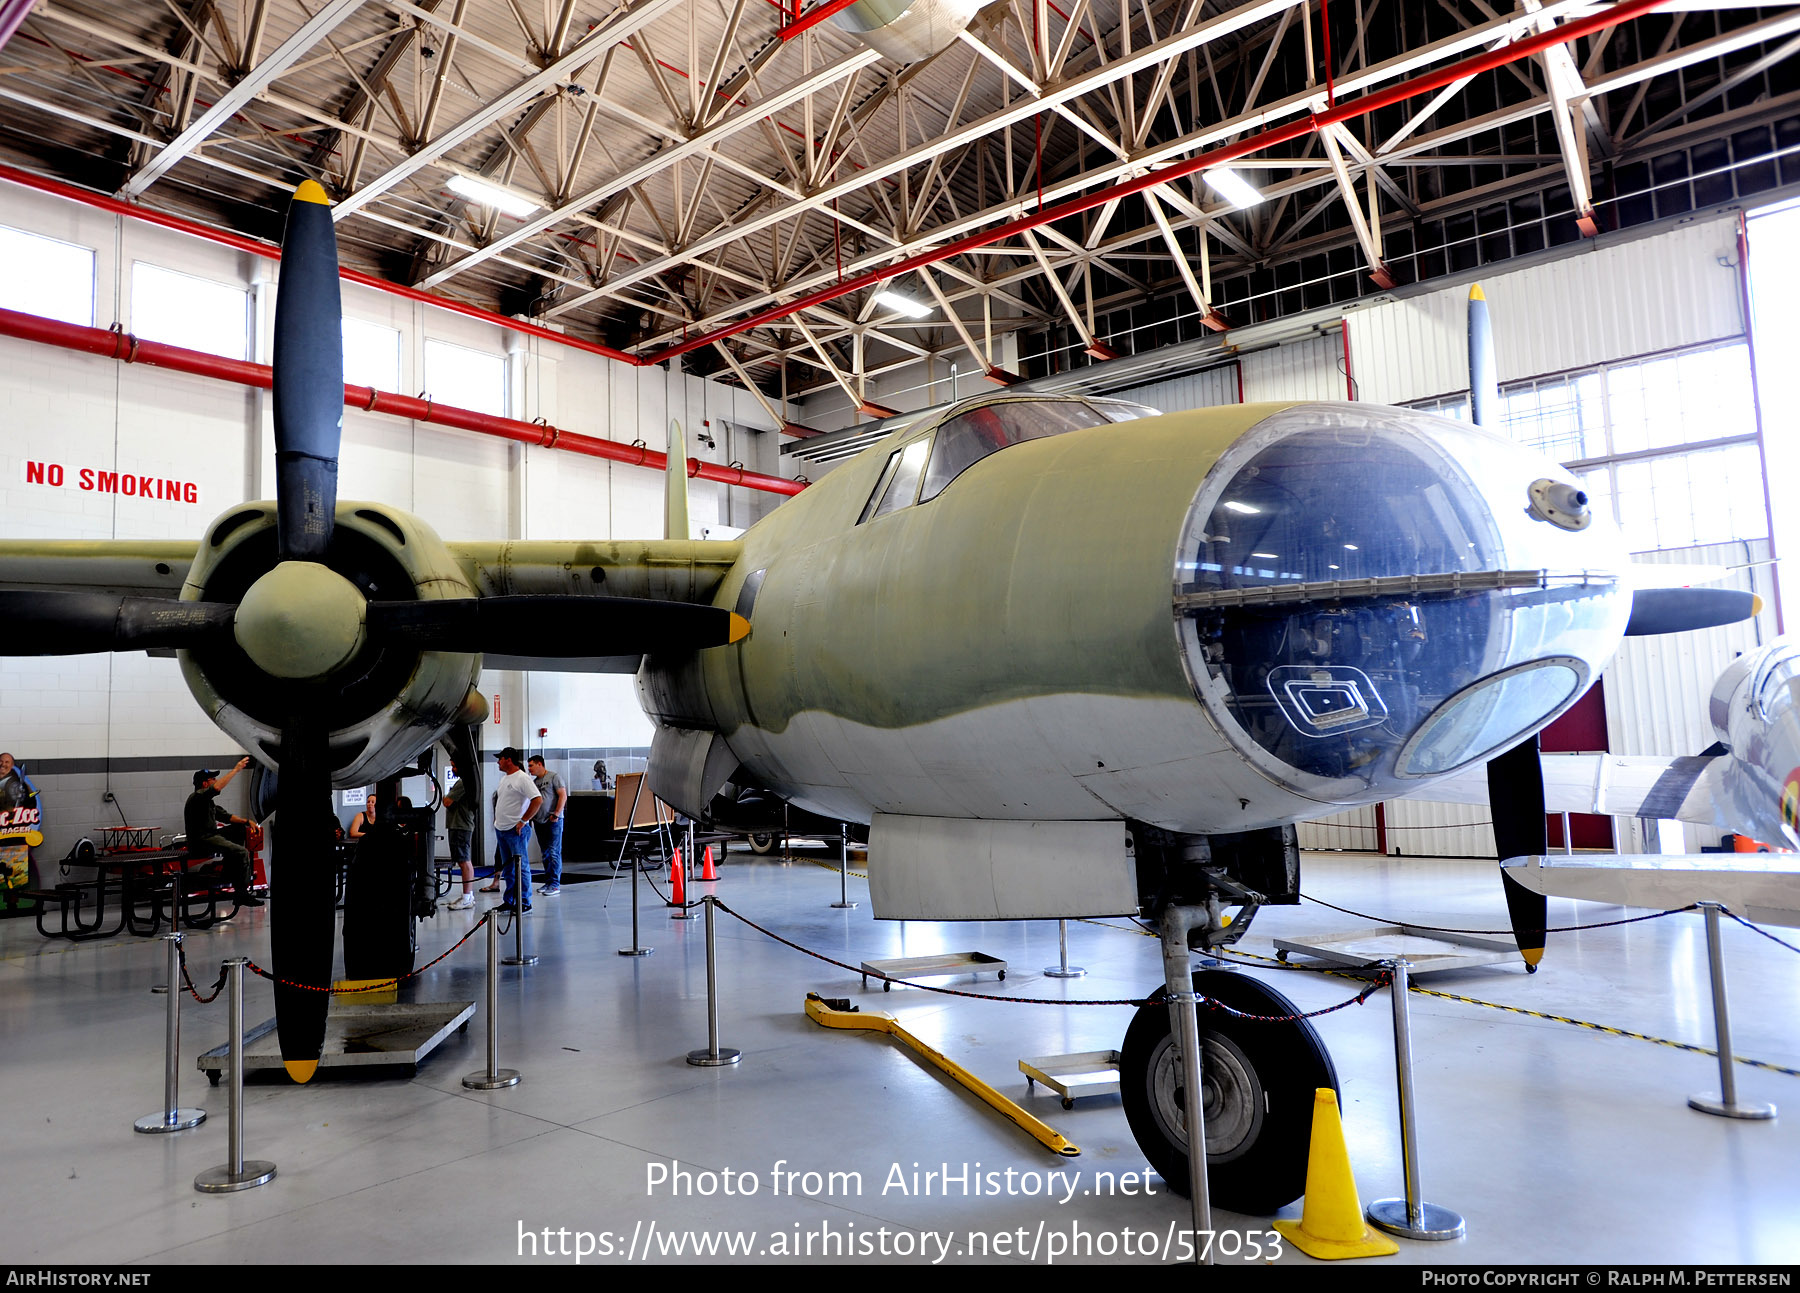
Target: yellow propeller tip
column 1756, row 604
column 1475, row 292
column 740, row 628
column 301, row 1070
column 311, row 191
column 1532, row 955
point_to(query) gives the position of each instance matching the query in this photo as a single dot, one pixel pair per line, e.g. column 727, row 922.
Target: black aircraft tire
column 762, row 844
column 1261, row 1084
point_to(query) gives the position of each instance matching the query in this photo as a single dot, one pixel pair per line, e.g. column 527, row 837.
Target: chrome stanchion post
column 635, row 949
column 494, row 1077
column 844, row 869
column 713, row 1056
column 1063, row 970
column 1725, row 1104
column 1411, row 1217
column 172, row 1117
column 519, row 956
column 235, row 1174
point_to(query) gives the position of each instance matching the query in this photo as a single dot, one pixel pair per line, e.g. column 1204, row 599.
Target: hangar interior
column 715, row 191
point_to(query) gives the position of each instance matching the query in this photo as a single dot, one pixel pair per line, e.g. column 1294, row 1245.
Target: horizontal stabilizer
column 1617, row 785
column 1760, row 887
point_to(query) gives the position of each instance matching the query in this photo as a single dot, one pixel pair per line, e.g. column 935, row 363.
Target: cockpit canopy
column 932, row 456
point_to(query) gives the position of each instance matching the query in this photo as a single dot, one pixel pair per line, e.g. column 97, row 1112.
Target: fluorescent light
column 1231, row 186
column 902, row 305
column 1350, row 547
column 1245, row 508
column 489, row 195
column 1272, row 556
column 1331, row 567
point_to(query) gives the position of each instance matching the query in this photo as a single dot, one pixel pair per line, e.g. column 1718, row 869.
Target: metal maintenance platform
column 357, row 1035
column 1427, row 951
column 926, row 967
column 1073, row 1076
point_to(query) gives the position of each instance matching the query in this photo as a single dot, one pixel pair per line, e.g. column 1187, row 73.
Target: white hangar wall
column 85, row 724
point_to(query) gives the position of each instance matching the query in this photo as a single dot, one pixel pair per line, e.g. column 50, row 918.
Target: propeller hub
column 301, row 620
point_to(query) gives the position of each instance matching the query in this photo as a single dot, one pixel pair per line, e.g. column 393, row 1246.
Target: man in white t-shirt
column 516, row 802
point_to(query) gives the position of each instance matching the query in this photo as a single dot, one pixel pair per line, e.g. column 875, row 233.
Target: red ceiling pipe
column 813, row 17
column 1371, row 102
column 269, row 251
column 129, row 349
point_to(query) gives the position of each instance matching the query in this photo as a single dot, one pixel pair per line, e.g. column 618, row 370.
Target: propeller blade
column 551, row 626
column 303, row 927
column 1484, row 381
column 1516, row 793
column 75, row 623
column 309, row 378
column 1680, row 610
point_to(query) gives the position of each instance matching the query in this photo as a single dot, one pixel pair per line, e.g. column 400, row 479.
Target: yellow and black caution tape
column 1603, row 1028
column 1271, row 963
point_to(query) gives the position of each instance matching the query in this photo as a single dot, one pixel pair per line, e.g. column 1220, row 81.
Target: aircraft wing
column 1761, row 887
column 1617, row 785
column 136, row 568
column 674, row 570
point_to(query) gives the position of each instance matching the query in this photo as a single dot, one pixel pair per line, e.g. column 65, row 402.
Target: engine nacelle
column 387, row 703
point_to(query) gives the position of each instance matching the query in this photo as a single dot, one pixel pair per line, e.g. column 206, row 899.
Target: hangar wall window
column 46, row 277
column 183, row 310
column 468, row 379
column 1665, row 444
column 371, row 355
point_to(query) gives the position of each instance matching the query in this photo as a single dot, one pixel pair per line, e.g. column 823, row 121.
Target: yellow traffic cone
column 1331, row 1223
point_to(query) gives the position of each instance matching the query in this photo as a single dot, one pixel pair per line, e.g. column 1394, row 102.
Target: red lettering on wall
column 97, row 481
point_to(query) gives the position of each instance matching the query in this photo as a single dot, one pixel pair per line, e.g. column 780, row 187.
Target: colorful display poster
column 21, row 830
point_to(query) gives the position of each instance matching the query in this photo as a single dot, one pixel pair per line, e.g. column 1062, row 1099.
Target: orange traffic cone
column 1331, row 1222
column 677, row 882
column 706, row 865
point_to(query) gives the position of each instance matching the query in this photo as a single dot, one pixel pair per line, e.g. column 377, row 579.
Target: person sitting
column 203, row 818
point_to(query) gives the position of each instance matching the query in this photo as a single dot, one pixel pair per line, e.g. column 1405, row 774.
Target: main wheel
column 762, row 844
column 1257, row 1080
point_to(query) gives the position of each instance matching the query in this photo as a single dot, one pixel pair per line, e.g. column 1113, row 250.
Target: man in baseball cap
column 203, row 818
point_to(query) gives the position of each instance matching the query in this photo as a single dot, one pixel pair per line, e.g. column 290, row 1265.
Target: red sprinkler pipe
column 1371, row 102
column 131, row 350
column 813, row 17
column 269, row 251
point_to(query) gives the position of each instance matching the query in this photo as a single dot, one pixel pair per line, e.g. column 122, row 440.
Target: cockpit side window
column 899, row 480
column 964, row 441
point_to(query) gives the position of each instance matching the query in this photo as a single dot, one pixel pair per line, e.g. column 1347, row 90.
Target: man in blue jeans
column 516, row 802
column 554, row 793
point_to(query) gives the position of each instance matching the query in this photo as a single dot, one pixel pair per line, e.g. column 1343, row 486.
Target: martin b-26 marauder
column 1065, row 657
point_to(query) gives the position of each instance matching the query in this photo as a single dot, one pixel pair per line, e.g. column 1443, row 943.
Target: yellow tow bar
column 839, row 1013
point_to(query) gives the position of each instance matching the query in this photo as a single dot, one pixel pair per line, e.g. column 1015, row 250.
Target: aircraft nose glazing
column 1367, row 596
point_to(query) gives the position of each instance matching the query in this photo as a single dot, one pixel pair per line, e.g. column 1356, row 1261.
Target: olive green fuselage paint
column 1044, row 569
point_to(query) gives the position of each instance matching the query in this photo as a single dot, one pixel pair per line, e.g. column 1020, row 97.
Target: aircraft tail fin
column 675, row 495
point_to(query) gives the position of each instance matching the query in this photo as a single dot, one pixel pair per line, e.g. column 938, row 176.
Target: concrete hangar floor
column 1558, row 1144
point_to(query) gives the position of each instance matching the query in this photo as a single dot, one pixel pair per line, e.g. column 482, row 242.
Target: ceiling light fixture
column 489, row 195
column 1231, row 186
column 1245, row 508
column 902, row 305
